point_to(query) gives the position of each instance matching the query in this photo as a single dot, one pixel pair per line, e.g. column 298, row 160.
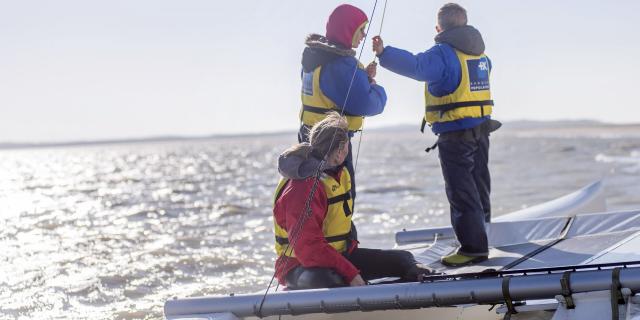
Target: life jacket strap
column 433, row 147
column 319, row 110
column 424, row 123
column 284, row 241
column 339, row 198
column 344, row 198
column 442, row 108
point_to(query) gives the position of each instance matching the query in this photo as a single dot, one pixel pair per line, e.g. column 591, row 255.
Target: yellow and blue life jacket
column 472, row 97
column 336, row 226
column 315, row 104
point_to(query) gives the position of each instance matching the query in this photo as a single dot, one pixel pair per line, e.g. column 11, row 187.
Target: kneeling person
column 315, row 239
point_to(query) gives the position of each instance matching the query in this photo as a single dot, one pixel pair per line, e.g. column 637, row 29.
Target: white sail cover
column 547, row 242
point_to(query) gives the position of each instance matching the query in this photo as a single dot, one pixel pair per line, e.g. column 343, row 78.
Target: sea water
column 113, row 231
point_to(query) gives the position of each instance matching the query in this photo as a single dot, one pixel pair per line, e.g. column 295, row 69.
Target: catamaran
column 565, row 259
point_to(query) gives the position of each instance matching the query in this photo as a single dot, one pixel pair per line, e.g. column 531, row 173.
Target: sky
column 90, row 70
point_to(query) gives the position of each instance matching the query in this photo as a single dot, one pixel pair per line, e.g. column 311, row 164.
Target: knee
column 313, row 278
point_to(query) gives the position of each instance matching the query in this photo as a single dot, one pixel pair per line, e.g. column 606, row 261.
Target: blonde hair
column 452, row 15
column 325, row 137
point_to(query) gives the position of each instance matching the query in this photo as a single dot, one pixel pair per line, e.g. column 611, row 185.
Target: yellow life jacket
column 336, row 226
column 472, row 98
column 315, row 104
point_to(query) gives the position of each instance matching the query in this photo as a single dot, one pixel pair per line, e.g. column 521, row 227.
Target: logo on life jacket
column 307, row 83
column 478, row 74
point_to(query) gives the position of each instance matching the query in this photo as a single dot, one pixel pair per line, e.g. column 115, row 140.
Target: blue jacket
column 439, row 67
column 365, row 99
column 338, row 65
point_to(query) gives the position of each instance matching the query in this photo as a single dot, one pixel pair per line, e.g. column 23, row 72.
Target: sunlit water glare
column 113, row 231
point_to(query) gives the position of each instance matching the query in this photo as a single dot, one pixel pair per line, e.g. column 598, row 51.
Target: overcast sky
column 85, row 70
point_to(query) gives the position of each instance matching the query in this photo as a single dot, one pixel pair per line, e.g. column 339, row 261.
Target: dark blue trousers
column 464, row 158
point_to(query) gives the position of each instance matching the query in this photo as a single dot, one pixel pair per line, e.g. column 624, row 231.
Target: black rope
column 563, row 235
column 307, row 211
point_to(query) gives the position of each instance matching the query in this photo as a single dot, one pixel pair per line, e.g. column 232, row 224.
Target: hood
column 320, row 51
column 343, row 23
column 296, row 167
column 466, row 39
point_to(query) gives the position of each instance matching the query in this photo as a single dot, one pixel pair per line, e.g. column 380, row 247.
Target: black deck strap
column 507, row 298
column 565, row 282
column 616, row 295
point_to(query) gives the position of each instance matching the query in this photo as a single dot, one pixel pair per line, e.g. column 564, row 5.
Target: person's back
column 458, row 108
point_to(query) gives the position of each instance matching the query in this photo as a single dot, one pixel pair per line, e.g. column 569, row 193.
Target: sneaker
column 459, row 260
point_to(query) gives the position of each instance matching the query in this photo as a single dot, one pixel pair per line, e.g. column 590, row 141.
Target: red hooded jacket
column 311, row 248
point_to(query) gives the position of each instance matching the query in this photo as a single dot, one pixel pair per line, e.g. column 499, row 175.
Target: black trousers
column 464, row 158
column 372, row 263
column 303, row 136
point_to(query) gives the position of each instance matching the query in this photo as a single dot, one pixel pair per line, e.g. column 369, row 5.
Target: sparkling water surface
column 112, row 231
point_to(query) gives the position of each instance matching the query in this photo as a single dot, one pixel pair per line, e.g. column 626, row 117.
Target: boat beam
column 401, row 296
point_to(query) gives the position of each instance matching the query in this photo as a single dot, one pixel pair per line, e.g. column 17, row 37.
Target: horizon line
column 524, row 124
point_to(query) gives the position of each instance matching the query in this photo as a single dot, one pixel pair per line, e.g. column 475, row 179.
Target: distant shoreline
column 32, row 145
column 509, row 125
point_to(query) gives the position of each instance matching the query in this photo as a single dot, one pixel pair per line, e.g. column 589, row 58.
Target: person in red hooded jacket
column 334, row 80
column 313, row 229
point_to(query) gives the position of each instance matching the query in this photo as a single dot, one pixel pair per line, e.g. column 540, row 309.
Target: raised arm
column 365, row 98
column 427, row 66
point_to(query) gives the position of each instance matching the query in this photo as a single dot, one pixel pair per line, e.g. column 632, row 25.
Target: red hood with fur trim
column 343, row 24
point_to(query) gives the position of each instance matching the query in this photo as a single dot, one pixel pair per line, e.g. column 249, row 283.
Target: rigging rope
column 294, row 235
column 384, row 11
column 375, row 58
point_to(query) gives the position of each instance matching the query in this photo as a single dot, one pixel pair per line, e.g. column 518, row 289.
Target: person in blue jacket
column 334, row 80
column 458, row 109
